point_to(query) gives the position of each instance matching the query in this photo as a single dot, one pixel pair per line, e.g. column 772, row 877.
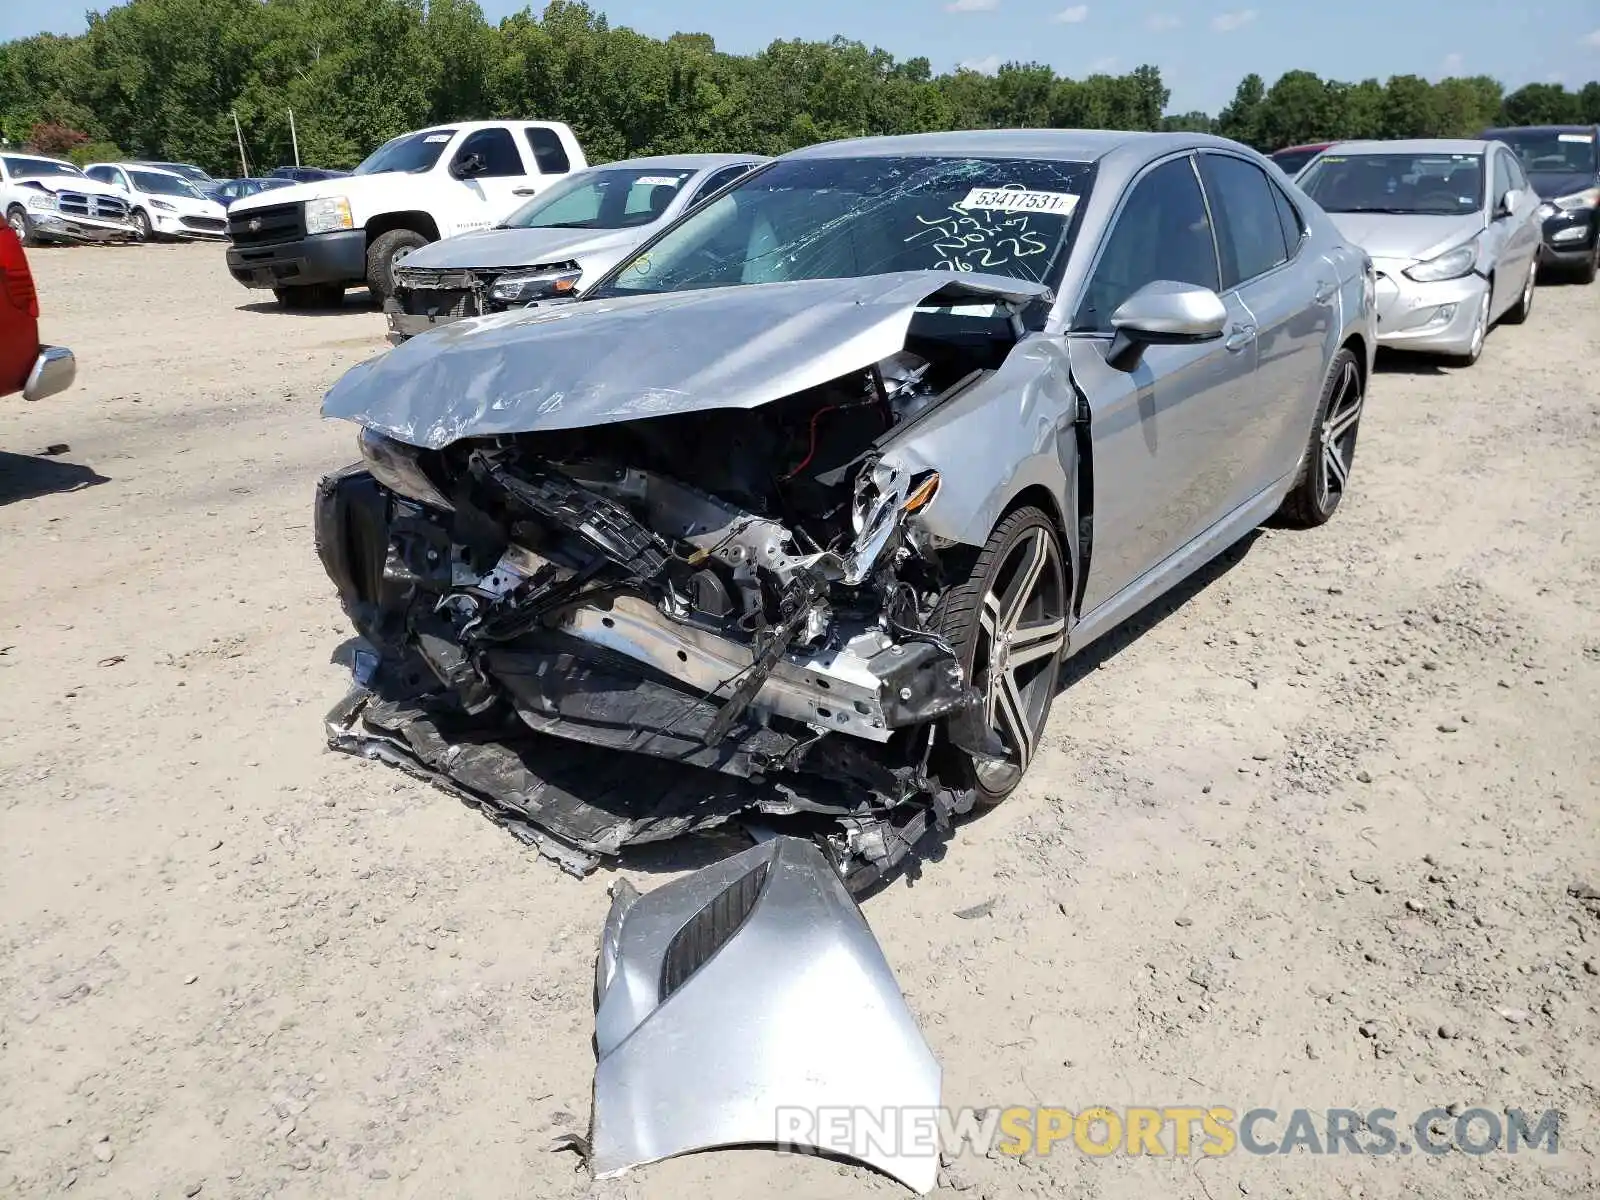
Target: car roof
column 682, row 162
column 144, row 166
column 469, row 126
column 1418, row 146
column 1304, row 146
column 1062, row 145
column 40, row 158
column 1499, row 129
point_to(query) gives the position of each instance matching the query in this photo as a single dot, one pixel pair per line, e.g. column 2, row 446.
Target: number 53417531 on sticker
column 1009, row 199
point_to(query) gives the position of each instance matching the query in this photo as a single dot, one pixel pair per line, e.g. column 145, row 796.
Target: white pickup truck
column 310, row 242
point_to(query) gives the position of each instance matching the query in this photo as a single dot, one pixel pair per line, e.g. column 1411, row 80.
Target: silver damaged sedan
column 1453, row 228
column 797, row 512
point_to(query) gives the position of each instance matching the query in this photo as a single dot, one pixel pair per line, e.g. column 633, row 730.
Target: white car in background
column 557, row 243
column 164, row 204
column 47, row 200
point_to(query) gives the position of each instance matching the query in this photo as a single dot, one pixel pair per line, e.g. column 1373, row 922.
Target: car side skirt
column 1168, row 573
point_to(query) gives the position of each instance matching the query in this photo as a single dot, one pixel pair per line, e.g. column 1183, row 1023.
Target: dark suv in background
column 1563, row 164
column 305, row 174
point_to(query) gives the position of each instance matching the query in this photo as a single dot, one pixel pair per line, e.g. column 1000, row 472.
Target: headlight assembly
column 154, row 203
column 1452, row 264
column 394, row 464
column 1588, row 198
column 328, row 215
column 524, row 287
column 44, row 201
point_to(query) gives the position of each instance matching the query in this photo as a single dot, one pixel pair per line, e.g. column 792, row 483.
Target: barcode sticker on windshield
column 658, row 180
column 437, row 137
column 1575, row 137
column 1019, row 200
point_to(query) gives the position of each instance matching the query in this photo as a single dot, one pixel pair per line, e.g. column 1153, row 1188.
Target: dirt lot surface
column 1321, row 831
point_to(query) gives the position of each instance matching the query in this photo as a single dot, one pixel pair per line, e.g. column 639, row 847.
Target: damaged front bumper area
column 600, row 654
column 427, row 297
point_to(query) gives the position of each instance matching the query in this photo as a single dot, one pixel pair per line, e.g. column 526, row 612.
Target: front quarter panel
column 1012, row 431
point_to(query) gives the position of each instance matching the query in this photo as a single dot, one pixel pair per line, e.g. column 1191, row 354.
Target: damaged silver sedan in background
column 795, row 515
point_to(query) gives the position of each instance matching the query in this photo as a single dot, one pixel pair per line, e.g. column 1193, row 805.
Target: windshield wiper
column 1403, row 212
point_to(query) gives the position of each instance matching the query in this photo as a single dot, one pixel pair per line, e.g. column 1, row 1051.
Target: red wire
column 812, row 452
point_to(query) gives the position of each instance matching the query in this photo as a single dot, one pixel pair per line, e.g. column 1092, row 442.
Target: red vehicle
column 1291, row 158
column 26, row 366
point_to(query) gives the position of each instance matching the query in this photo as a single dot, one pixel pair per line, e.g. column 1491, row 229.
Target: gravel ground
column 1334, row 800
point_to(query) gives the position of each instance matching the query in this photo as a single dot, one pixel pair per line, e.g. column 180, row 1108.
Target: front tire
column 141, row 226
column 21, row 225
column 1480, row 332
column 1007, row 621
column 1524, row 305
column 384, row 254
column 1587, row 272
column 1331, row 451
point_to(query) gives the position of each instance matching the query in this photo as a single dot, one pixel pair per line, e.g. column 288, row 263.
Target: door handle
column 524, row 191
column 1324, row 293
column 1241, row 337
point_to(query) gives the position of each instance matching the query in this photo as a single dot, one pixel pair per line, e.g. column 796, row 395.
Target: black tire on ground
column 381, row 255
column 1518, row 312
column 21, row 225
column 981, row 602
column 141, row 225
column 1587, row 272
column 1321, row 485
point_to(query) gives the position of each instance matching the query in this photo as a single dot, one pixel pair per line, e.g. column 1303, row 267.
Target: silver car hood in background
column 593, row 362
column 497, row 248
column 752, row 989
column 1397, row 235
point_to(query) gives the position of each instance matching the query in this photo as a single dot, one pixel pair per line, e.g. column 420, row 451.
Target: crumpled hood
column 1550, row 184
column 499, row 248
column 1404, row 236
column 72, row 183
column 594, row 362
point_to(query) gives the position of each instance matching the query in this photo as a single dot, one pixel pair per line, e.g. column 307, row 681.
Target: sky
column 1203, row 47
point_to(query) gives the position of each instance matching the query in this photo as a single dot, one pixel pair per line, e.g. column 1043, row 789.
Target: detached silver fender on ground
column 729, row 1001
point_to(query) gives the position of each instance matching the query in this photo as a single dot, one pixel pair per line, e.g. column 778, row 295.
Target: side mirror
column 1507, row 205
column 467, row 166
column 1164, row 313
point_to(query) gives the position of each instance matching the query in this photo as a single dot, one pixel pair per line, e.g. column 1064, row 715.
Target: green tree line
column 165, row 79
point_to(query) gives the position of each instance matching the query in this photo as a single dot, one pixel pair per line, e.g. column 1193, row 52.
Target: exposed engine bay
column 620, row 630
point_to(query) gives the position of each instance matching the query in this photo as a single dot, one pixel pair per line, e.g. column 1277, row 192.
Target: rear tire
column 382, row 255
column 1007, row 624
column 1331, row 452
column 21, row 225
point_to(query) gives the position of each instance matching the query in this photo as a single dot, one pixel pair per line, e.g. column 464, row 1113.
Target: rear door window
column 1250, row 230
column 548, row 152
column 1294, row 228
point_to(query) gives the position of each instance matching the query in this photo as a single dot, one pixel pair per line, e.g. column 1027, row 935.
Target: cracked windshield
column 842, row 218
